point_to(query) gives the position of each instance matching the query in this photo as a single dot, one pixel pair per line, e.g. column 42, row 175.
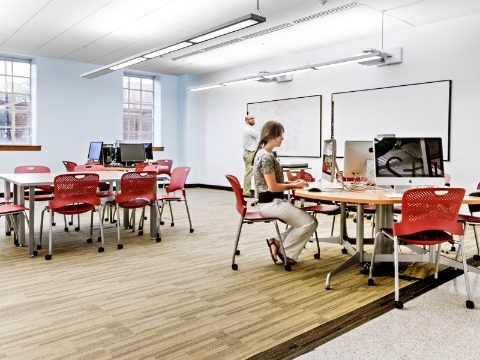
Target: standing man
column 251, row 138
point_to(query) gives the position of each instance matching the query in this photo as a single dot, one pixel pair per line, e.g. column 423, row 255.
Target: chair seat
column 74, row 209
column 105, row 194
column 430, row 237
column 44, row 197
column 255, row 216
column 367, row 209
column 323, row 209
column 469, row 219
column 168, row 197
column 131, row 204
column 11, row 209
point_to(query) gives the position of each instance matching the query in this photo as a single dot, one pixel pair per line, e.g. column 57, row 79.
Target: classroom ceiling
column 105, row 31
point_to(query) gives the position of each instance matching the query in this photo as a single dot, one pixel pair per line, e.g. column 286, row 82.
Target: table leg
column 384, row 219
column 6, row 193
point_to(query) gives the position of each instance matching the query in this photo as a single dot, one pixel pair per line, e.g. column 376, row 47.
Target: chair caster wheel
column 35, row 252
column 129, row 227
column 140, row 228
column 191, row 230
column 476, row 257
column 234, row 267
column 470, row 304
column 172, row 224
column 16, row 243
column 371, row 282
column 89, row 240
column 101, row 249
column 288, row 268
column 452, row 248
column 8, row 233
column 316, row 256
column 105, row 219
column 327, row 287
column 355, row 220
column 48, row 257
column 77, row 228
column 53, row 224
column 39, row 247
column 140, row 233
column 70, row 223
column 65, row 229
column 344, row 251
column 237, row 252
column 99, row 239
column 145, row 218
column 158, row 239
column 120, row 246
column 114, row 221
column 162, row 222
column 398, row 305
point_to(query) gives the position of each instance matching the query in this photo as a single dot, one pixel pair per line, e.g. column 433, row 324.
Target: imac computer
column 132, row 153
column 329, row 160
column 406, row 162
column 358, row 159
column 95, row 151
column 148, row 151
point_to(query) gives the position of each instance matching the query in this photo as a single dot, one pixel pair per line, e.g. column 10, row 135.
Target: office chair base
column 234, row 267
column 316, row 256
column 101, row 249
column 470, row 304
column 119, row 246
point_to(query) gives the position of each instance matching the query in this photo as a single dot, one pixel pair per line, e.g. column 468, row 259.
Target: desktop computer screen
column 358, row 156
column 132, row 153
column 148, row 151
column 409, row 161
column 95, row 151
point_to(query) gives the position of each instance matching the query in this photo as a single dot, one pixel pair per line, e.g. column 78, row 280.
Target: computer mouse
column 314, row 189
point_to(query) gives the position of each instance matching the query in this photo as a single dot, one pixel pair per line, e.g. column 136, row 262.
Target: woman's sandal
column 269, row 244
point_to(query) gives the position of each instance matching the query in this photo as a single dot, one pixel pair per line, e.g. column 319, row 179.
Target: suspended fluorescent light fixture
column 223, row 29
column 368, row 57
column 128, row 63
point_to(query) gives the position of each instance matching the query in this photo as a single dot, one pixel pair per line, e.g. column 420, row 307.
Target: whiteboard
column 301, row 118
column 415, row 110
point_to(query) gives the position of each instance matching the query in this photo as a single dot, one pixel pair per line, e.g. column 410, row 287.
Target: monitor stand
column 400, row 189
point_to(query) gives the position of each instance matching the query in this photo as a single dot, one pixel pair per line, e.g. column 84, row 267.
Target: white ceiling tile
column 388, row 4
column 139, row 6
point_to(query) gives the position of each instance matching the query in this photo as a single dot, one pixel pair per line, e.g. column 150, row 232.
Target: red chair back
column 140, row 166
column 296, row 175
column 241, row 204
column 430, row 209
column 89, row 168
column 137, row 184
column 177, row 179
column 69, row 165
column 168, row 164
column 152, row 168
column 75, row 188
column 35, row 169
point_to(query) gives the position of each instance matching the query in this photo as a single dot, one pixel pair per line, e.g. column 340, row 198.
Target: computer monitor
column 329, row 160
column 132, row 153
column 148, row 151
column 409, row 161
column 95, row 151
column 358, row 157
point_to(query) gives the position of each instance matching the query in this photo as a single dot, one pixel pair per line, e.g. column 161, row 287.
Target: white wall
column 440, row 51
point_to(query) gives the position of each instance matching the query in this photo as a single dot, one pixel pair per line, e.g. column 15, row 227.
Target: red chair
column 8, row 210
column 249, row 218
column 429, row 217
column 473, row 221
column 75, row 194
column 167, row 170
column 36, row 169
column 177, row 182
column 137, row 191
column 69, row 165
column 140, row 166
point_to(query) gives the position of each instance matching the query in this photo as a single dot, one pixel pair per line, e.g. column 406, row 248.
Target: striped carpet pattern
column 175, row 299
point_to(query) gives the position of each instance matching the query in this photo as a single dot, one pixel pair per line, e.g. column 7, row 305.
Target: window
column 15, row 110
column 137, row 109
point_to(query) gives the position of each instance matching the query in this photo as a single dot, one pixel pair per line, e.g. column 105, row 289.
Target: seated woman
column 270, row 185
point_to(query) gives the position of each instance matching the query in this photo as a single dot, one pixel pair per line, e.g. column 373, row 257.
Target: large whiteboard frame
column 302, row 119
column 411, row 110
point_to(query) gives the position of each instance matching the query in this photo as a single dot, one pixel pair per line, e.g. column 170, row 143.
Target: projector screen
column 415, row 110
